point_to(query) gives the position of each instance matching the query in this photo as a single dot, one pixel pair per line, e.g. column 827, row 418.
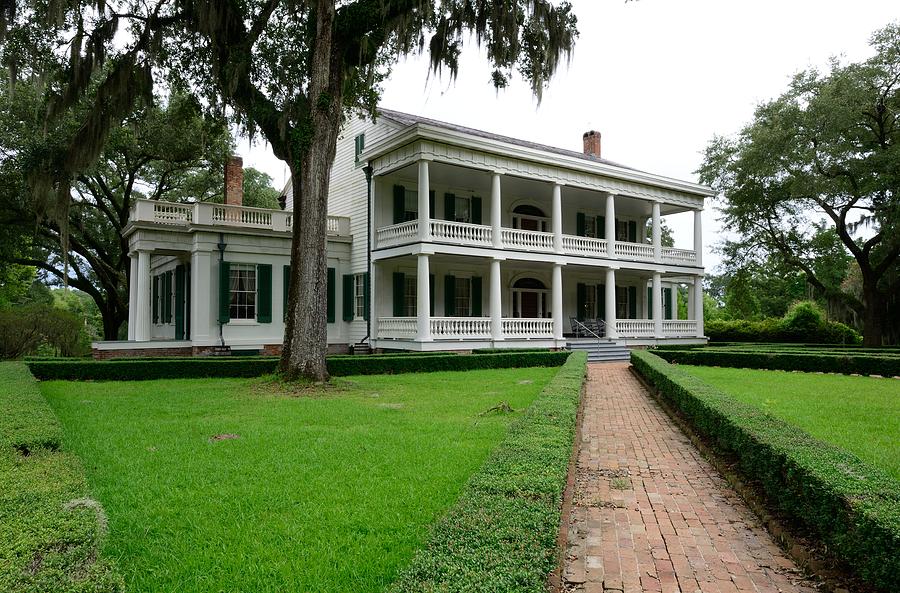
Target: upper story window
column 621, row 230
column 463, row 209
column 360, row 142
column 411, row 205
column 359, row 292
column 529, row 218
column 590, row 226
column 242, row 279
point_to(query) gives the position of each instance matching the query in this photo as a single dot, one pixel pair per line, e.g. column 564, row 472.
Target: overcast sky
column 658, row 78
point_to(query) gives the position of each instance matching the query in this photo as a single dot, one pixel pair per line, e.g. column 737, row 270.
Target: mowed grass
column 859, row 414
column 324, row 490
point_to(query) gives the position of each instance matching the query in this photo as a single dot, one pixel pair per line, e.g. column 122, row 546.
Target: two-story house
column 440, row 238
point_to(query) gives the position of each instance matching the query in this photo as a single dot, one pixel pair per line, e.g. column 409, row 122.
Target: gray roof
column 407, row 119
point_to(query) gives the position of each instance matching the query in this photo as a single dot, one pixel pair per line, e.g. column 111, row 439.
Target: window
column 590, row 226
column 463, row 209
column 590, row 302
column 242, row 279
column 360, row 141
column 359, row 292
column 621, row 230
column 463, row 297
column 410, row 286
column 622, row 302
column 411, row 205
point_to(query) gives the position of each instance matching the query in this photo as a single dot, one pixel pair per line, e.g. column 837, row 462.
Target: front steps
column 601, row 350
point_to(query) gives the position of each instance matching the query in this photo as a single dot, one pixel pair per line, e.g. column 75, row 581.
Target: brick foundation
column 140, row 352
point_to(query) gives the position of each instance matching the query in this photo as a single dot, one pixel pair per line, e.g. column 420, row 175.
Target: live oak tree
column 825, row 155
column 290, row 70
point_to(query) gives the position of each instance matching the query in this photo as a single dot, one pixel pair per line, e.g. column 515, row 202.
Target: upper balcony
column 204, row 214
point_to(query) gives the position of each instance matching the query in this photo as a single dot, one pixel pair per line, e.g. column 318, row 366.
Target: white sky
column 658, row 78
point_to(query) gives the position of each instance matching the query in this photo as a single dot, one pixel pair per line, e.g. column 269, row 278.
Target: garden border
column 886, row 366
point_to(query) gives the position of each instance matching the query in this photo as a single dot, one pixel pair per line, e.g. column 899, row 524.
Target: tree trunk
column 306, row 338
column 873, row 315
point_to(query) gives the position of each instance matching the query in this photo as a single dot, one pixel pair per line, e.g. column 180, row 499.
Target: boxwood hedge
column 501, row 534
column 201, row 367
column 852, row 507
column 826, row 362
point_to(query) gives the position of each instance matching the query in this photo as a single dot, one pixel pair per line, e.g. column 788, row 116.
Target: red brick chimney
column 592, row 143
column 234, row 181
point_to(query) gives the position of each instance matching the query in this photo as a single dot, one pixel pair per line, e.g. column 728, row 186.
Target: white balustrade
column 460, row 327
column 460, row 232
column 635, row 328
column 528, row 328
column 396, row 234
column 171, row 213
column 683, row 328
column 574, row 245
column 679, row 256
column 241, row 216
column 527, row 240
column 403, row 328
column 638, row 251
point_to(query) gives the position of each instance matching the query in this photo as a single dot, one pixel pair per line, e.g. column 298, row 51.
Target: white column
column 142, row 315
column 673, row 300
column 423, row 300
column 657, row 238
column 698, row 236
column 690, row 301
column 657, row 305
column 496, row 302
column 611, row 304
column 132, row 295
column 698, row 304
column 557, row 218
column 496, row 212
column 610, row 226
column 424, row 215
column 557, row 301
column 203, row 303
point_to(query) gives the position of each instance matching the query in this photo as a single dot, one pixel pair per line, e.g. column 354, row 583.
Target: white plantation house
column 439, row 238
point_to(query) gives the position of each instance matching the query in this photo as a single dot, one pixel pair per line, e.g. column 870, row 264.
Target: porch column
column 657, row 239
column 202, row 305
column 496, row 212
column 142, row 315
column 610, row 226
column 698, row 236
column 557, row 218
column 657, row 305
column 132, row 295
column 690, row 301
column 610, row 318
column 557, row 301
column 424, row 214
column 496, row 302
column 423, row 300
column 673, row 300
column 698, row 304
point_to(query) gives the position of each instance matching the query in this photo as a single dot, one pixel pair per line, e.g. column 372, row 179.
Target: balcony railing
column 528, row 328
column 460, row 328
column 679, row 329
column 635, row 251
column 464, row 328
column 203, row 213
column 671, row 255
column 574, row 245
column 397, row 234
column 403, row 328
column 635, row 328
column 460, row 232
column 527, row 240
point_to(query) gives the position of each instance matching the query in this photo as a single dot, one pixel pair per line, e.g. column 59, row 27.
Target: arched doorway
column 530, row 298
column 529, row 218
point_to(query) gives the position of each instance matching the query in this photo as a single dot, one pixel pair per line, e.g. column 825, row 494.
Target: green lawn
column 323, row 491
column 860, row 414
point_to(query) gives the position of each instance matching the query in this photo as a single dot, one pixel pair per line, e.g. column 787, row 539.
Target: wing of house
column 471, row 240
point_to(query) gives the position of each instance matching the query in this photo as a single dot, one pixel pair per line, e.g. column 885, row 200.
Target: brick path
column 650, row 514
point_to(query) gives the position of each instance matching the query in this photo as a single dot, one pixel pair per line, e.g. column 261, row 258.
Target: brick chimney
column 234, row 181
column 592, row 143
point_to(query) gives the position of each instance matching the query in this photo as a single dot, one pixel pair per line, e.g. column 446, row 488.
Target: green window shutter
column 632, row 231
column 286, row 284
column 449, row 296
column 449, row 206
column 632, row 302
column 476, row 210
column 431, row 294
column 649, row 302
column 601, row 227
column 264, row 293
column 330, row 289
column 179, row 302
column 366, row 291
column 476, row 296
column 431, row 204
column 224, row 292
column 399, row 204
column 167, row 295
column 601, row 301
column 155, row 298
column 347, row 288
column 581, row 293
column 399, row 289
column 579, row 224
column 667, row 303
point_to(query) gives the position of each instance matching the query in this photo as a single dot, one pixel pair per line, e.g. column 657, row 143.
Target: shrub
column 852, row 507
column 501, row 534
column 24, row 330
column 812, row 362
column 50, row 532
column 797, row 330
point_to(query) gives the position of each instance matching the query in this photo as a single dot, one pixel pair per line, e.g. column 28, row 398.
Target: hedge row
column 501, row 534
column 50, row 532
column 784, row 361
column 852, row 507
column 778, row 330
column 203, row 367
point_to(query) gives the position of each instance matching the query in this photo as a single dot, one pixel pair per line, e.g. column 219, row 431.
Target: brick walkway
column 650, row 514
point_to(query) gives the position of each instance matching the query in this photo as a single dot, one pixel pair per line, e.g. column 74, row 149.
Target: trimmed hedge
column 241, row 367
column 863, row 364
column 501, row 534
column 777, row 330
column 50, row 532
column 852, row 507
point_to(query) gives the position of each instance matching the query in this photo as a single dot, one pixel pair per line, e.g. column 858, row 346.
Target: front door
column 529, row 224
column 530, row 304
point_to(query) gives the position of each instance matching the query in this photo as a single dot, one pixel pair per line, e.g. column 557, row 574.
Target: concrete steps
column 601, row 350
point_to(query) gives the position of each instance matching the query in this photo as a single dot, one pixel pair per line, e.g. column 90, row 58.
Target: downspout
column 368, row 171
column 221, row 246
